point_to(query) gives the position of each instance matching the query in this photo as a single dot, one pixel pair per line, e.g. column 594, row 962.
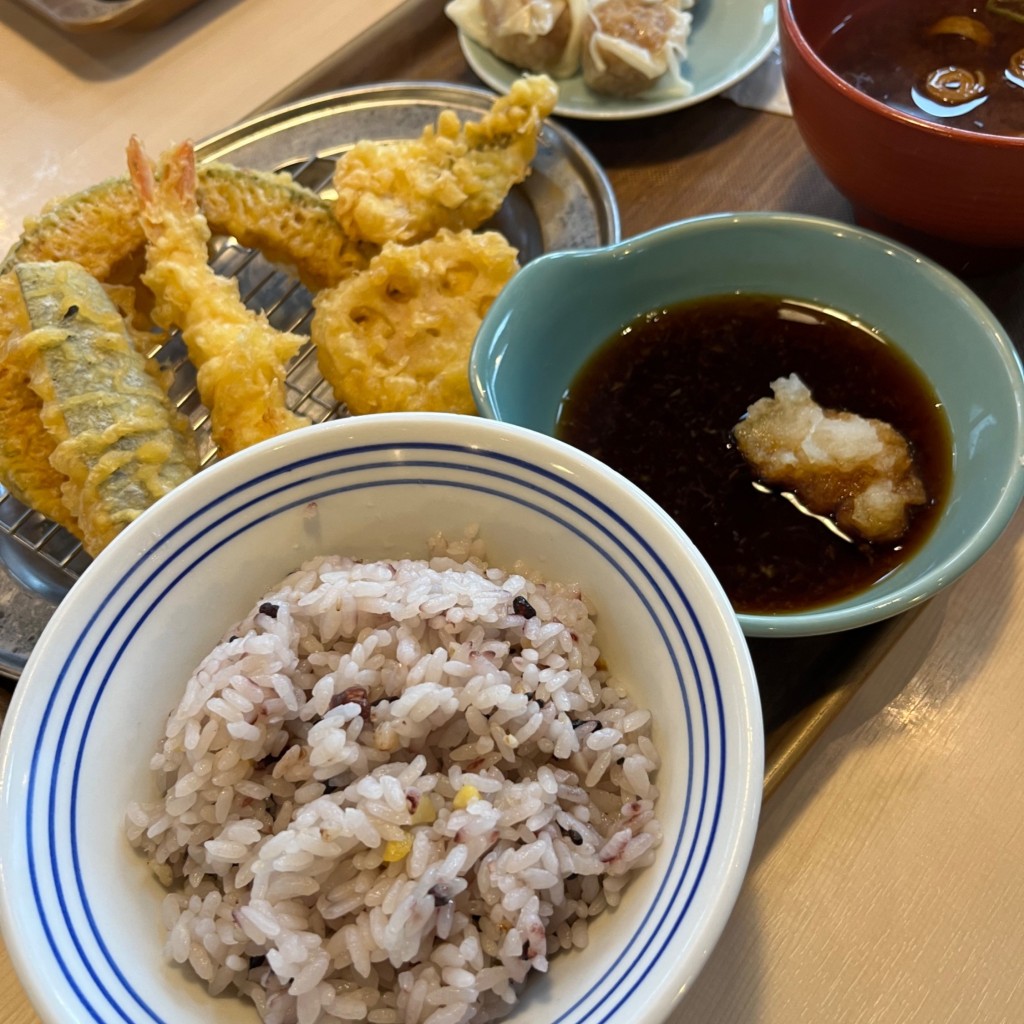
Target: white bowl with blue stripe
column 80, row 909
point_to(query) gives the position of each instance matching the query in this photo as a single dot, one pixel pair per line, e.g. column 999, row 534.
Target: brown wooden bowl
column 954, row 194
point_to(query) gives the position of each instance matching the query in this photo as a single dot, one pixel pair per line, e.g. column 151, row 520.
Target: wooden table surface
column 886, row 881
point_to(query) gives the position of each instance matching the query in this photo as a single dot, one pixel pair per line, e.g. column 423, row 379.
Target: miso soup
column 952, row 62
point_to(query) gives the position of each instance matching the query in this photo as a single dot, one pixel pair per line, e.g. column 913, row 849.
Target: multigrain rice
column 394, row 789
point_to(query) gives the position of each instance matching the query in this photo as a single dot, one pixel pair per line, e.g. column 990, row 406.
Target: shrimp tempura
column 240, row 359
column 453, row 176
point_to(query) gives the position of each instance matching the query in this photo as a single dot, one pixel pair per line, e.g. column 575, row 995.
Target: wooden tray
column 710, row 158
column 705, row 159
column 98, row 15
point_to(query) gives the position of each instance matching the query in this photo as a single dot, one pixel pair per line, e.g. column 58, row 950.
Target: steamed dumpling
column 628, row 45
column 538, row 35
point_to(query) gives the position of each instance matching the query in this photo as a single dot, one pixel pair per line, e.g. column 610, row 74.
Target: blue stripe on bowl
column 659, row 932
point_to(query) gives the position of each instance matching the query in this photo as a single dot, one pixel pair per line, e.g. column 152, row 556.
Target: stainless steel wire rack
column 45, row 557
column 566, row 203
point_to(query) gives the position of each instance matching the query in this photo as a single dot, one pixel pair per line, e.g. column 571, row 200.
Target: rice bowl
column 372, row 489
column 395, row 789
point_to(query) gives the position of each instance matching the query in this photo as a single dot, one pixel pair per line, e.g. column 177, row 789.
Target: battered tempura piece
column 240, row 359
column 454, row 176
column 397, row 336
column 860, row 472
column 99, row 227
column 119, row 443
column 25, row 444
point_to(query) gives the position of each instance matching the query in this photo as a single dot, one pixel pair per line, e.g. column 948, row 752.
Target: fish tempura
column 453, row 176
column 25, row 445
column 119, row 443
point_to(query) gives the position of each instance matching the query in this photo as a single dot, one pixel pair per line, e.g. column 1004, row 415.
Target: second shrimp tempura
column 240, row 359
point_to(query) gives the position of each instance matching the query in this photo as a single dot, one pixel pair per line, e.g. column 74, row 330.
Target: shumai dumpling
column 537, row 35
column 629, row 45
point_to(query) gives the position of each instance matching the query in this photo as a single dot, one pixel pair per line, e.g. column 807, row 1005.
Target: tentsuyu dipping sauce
column 659, row 400
column 954, row 62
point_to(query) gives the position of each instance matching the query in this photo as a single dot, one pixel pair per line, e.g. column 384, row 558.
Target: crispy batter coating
column 289, row 224
column 397, row 336
column 120, row 444
column 454, row 176
column 240, row 359
column 25, row 445
column 100, row 227
column 858, row 471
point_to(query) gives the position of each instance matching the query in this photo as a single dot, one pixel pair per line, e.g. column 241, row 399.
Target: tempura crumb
column 859, row 472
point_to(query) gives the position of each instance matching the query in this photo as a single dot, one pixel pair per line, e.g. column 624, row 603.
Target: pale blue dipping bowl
column 563, row 306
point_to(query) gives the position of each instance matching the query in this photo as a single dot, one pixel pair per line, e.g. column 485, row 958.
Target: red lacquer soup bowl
column 950, row 189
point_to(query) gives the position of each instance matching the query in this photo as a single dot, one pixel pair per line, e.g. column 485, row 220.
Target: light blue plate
column 729, row 39
column 558, row 310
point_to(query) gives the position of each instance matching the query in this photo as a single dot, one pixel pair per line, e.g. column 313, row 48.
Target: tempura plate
column 565, row 203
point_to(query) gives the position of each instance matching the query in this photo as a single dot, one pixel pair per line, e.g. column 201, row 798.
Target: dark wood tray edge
column 100, row 15
column 380, row 54
column 788, row 743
